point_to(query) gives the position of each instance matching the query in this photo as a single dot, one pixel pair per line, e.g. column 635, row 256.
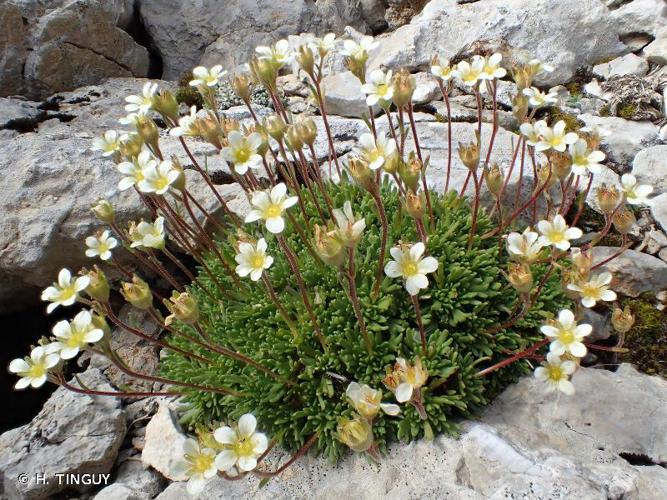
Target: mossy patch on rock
column 647, row 340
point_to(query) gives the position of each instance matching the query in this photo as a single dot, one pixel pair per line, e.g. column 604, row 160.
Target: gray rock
column 117, row 492
column 373, row 13
column 343, row 96
column 139, row 479
column 163, row 443
column 19, row 114
column 639, row 17
column 634, row 272
column 599, row 322
column 540, row 29
column 656, row 51
column 650, row 167
column 528, row 444
column 66, row 44
column 659, row 210
column 74, row 433
column 626, row 137
column 629, row 64
column 426, row 90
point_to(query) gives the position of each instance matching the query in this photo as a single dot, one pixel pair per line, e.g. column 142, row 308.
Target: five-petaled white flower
column 555, row 138
column 143, row 103
column 492, row 68
column 379, row 88
column 279, row 54
column 242, row 151
column 148, row 234
column 557, row 233
column 252, row 259
column 269, row 207
column 197, row 464
column 556, row 373
column 188, row 125
column 359, row 50
column 583, row 159
column 524, row 247
column 109, row 143
column 470, row 73
column 376, row 151
column 596, row 288
column 158, row 179
column 349, row 228
column 323, row 45
column 242, row 445
column 134, row 170
column 540, row 67
column 72, row 336
column 533, row 132
column 101, row 245
column 405, row 380
column 443, row 70
column 409, row 265
column 130, row 119
column 537, row 98
column 66, row 291
column 566, row 335
column 368, row 401
column 635, row 194
column 204, row 77
column 33, row 370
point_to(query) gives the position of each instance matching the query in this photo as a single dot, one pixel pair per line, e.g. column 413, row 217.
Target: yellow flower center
column 161, row 183
column 244, row 447
column 555, row 372
column 590, row 291
column 200, row 463
column 272, row 210
column 382, row 90
column 37, row 370
column 242, row 155
column 566, row 337
column 409, row 268
column 67, row 293
column 257, row 261
column 556, row 236
column 76, row 339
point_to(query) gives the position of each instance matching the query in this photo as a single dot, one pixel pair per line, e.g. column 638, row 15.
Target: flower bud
column 623, row 220
column 357, row 66
column 276, row 127
column 582, row 261
column 241, row 86
column 520, row 107
column 493, row 177
column 148, row 131
column 179, row 183
column 561, row 163
column 100, row 322
column 622, row 320
column 182, row 307
column 131, row 147
column 545, row 176
column 306, row 59
column 356, row 433
column 211, row 130
column 308, row 131
column 608, row 198
column 391, row 163
column 469, row 154
column 410, row 172
column 98, row 286
column 414, row 205
column 165, row 103
column 329, row 247
column 104, row 211
column 404, row 87
column 264, row 72
column 520, row 277
column 361, row 174
column 137, row 293
column 523, row 76
column 293, row 138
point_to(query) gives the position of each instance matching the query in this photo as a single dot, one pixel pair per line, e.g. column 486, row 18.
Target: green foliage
column 467, row 296
column 647, row 340
column 186, row 94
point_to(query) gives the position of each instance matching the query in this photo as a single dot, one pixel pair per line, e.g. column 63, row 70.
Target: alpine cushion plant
column 348, row 310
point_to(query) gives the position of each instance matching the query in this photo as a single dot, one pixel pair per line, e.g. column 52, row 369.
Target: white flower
column 323, row 45
column 158, row 179
column 443, row 70
column 143, row 103
column 73, row 336
column 379, row 88
column 557, row 233
column 148, row 235
column 596, row 288
column 187, row 125
column 204, row 77
column 134, row 171
column 537, row 98
column 66, row 291
column 556, row 138
column 269, row 207
column 375, row 152
column 533, row 132
column 252, row 259
column 584, row 160
column 596, row 131
column 130, row 119
column 492, row 69
column 557, row 373
column 198, row 464
column 635, row 194
column 242, row 151
column 368, row 401
column 359, row 50
column 349, row 227
column 101, row 245
column 109, row 143
column 405, row 379
column 33, row 370
column 279, row 54
column 538, row 66
column 409, row 265
column 242, row 445
column 566, row 335
column 470, row 73
column 525, row 246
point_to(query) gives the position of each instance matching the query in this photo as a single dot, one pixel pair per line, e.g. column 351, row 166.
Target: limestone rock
column 650, row 167
column 74, row 433
column 343, row 96
column 639, row 17
column 164, row 443
column 117, row 491
column 634, row 272
column 540, row 29
column 19, row 114
column 656, row 51
column 426, row 90
column 659, row 210
column 629, row 64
